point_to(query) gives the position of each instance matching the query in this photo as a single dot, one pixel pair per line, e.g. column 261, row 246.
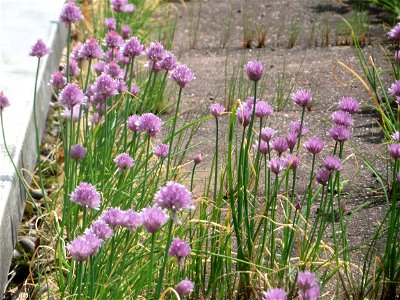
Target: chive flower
column 101, row 229
column 113, row 216
column 73, row 68
column 263, row 147
column 342, row 118
column 131, row 220
column 3, row 101
column 123, row 161
column 153, row 218
column 280, row 145
column 91, row 49
column 122, row 6
column 394, row 33
column 110, row 23
column 39, row 49
column 395, row 90
column 161, row 151
column 70, row 96
column 263, row 109
column 302, row 98
column 58, row 80
column 112, row 54
column 217, row 109
column 104, row 87
column 99, row 67
column 85, row 194
column 125, row 31
column 77, row 152
column 182, row 75
column 150, row 123
column 84, row 246
column 332, row 163
column 174, row 196
column 314, row 145
column 340, row 133
column 132, row 47
column 70, row 13
column 168, row 63
column 308, row 286
column 396, row 136
column 121, row 86
column 155, row 52
column 133, row 123
column 197, row 159
column 113, row 40
column 66, row 113
column 76, row 53
column 322, row 176
column 291, row 140
column 254, row 70
column 396, row 56
column 184, row 288
column 180, row 250
column 394, row 151
column 349, row 104
column 292, row 161
column 274, row 294
column 135, row 90
column 243, row 115
column 267, row 134
column 113, row 69
column 275, row 165
column 295, row 127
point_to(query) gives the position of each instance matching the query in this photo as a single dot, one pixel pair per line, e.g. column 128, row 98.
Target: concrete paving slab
column 22, row 22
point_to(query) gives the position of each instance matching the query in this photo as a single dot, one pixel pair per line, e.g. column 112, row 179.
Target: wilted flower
column 84, row 246
column 133, row 123
column 124, row 161
column 254, row 70
column 394, row 151
column 39, row 49
column 275, row 165
column 101, row 229
column 161, row 151
column 77, row 152
column 340, row 133
column 71, row 95
column 150, row 123
column 267, row 134
column 332, row 163
column 274, row 294
column 132, row 47
column 155, row 52
column 342, row 118
column 279, row 145
column 153, row 218
column 349, row 104
column 174, row 196
column 217, row 109
column 179, row 249
column 3, row 101
column 182, row 75
column 70, row 13
column 322, row 176
column 185, row 287
column 91, row 49
column 111, row 24
column 125, row 31
column 314, row 145
column 197, row 159
column 394, row 33
column 263, row 109
column 86, row 195
column 58, row 80
column 302, row 98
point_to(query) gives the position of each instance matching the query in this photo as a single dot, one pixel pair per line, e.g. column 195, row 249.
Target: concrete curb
column 22, row 23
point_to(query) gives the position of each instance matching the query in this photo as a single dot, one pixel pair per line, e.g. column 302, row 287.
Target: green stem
column 68, row 50
column 145, row 169
column 150, row 282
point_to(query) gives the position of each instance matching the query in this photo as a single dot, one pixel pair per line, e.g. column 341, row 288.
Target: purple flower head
column 179, row 249
column 292, row 161
column 349, row 104
column 39, row 49
column 99, row 67
column 3, row 101
column 121, row 86
column 101, row 229
column 397, row 56
column 111, row 24
column 105, row 86
column 91, row 49
column 395, row 90
column 254, row 70
column 302, row 98
column 134, row 123
column 77, row 152
column 95, row 118
column 394, row 33
column 70, row 96
column 126, row 31
column 84, row 246
column 342, row 118
column 153, row 218
column 332, row 163
column 197, row 159
column 112, row 55
column 113, row 69
column 396, row 136
column 274, row 294
column 185, row 287
column 70, row 13
column 308, row 286
column 295, row 127
column 132, row 47
column 124, row 161
column 155, row 52
column 267, row 134
column 291, row 140
column 73, row 68
column 182, row 75
column 279, row 145
column 75, row 113
column 150, row 123
column 275, row 165
column 217, row 109
column 243, row 115
column 322, row 176
column 135, row 90
column 113, row 40
column 58, row 80
column 263, row 147
column 131, row 220
column 129, row 8
column 161, row 151
column 113, row 217
column 76, row 53
column 174, row 196
column 122, row 6
column 340, row 133
column 85, row 194
column 314, row 145
column 394, row 151
column 168, row 63
column 155, row 66
column 263, row 109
